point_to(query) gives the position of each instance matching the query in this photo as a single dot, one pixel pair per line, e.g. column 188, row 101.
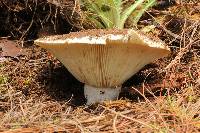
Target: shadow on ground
column 60, row 85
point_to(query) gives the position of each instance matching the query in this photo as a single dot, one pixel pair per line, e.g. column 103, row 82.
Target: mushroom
column 104, row 59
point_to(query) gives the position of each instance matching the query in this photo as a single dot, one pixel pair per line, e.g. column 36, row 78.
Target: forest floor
column 38, row 94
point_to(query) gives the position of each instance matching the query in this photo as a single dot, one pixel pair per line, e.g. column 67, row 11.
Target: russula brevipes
column 103, row 59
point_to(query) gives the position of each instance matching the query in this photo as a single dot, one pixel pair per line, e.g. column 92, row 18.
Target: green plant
column 3, row 79
column 113, row 13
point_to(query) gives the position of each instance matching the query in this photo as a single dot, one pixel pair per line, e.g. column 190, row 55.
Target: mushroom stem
column 96, row 95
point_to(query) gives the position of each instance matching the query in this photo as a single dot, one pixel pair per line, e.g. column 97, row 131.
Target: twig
column 22, row 37
column 124, row 116
column 114, row 124
column 152, row 107
column 183, row 50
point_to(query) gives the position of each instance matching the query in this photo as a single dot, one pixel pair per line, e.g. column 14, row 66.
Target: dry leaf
column 9, row 48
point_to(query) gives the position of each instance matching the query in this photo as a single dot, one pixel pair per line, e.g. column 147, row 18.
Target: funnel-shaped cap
column 104, row 58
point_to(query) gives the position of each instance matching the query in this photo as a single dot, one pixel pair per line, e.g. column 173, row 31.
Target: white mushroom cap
column 104, row 58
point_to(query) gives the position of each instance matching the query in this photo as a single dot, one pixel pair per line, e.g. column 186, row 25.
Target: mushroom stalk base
column 96, row 95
